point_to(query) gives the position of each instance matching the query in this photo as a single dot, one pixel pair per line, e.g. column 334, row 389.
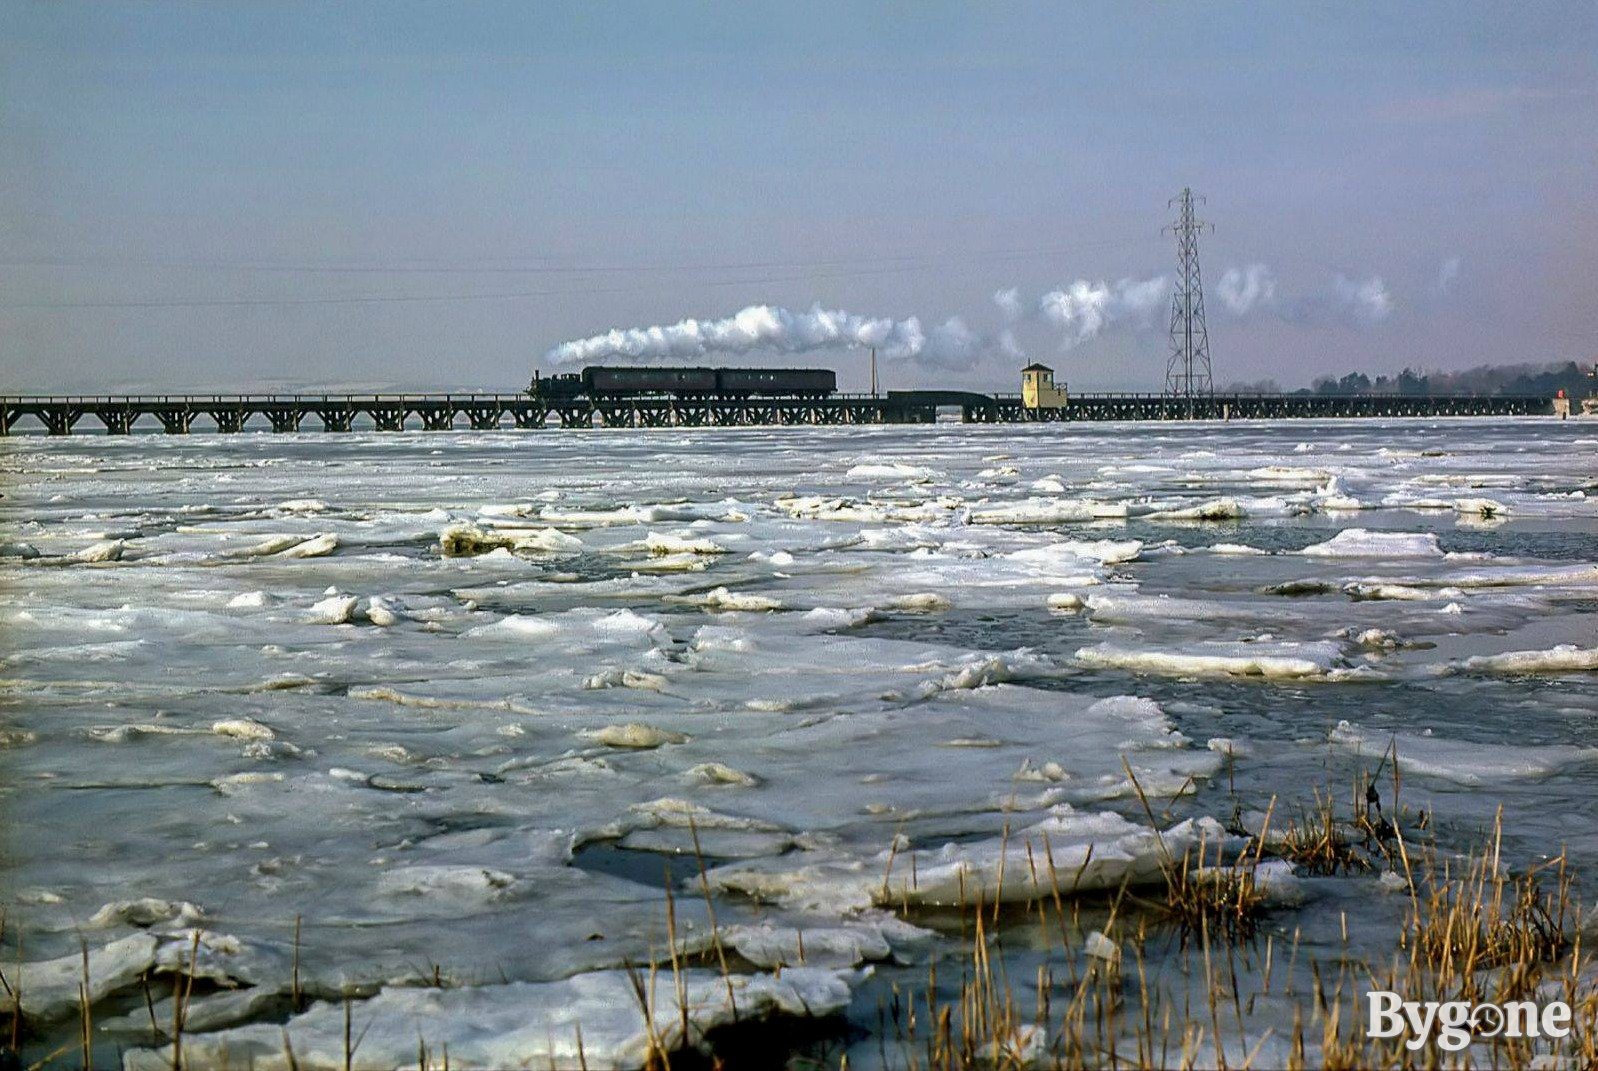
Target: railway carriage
column 639, row 381
column 785, row 382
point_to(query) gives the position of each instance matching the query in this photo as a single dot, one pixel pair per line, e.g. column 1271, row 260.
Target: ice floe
column 635, row 735
column 461, row 540
column 1565, row 658
column 49, row 989
column 1048, row 511
column 336, row 609
column 1362, row 543
column 1309, row 659
column 893, row 470
column 598, row 1020
column 1459, row 761
column 1079, row 851
column 315, row 547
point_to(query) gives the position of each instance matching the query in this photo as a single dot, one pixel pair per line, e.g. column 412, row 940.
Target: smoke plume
column 1367, row 299
column 1085, row 309
column 1009, row 302
column 1241, row 289
column 1447, row 273
column 769, row 329
column 756, row 329
column 1079, row 311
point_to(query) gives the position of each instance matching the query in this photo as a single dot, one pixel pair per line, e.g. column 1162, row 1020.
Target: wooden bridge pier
column 116, row 421
column 175, row 419
column 335, row 419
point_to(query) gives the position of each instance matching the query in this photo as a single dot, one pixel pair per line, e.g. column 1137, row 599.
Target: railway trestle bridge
column 232, row 413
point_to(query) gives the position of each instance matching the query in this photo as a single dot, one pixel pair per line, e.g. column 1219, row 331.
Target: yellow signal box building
column 1038, row 390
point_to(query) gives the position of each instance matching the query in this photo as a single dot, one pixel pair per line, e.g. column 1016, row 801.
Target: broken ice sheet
column 597, row 1020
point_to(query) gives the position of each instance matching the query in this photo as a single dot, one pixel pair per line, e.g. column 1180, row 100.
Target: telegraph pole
column 1187, row 373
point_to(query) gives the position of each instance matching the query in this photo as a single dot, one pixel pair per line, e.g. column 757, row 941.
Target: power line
column 885, row 265
column 365, row 299
column 491, row 268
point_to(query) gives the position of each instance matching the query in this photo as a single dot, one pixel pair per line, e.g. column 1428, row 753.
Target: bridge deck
column 182, row 413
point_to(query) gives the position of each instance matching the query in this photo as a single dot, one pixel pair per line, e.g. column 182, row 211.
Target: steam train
column 611, row 381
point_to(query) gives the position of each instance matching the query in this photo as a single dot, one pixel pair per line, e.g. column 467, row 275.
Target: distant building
column 1038, row 390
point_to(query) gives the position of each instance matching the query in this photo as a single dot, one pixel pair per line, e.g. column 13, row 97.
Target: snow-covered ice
column 457, row 701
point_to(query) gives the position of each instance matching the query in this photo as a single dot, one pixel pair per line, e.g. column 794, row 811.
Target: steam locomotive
column 611, row 381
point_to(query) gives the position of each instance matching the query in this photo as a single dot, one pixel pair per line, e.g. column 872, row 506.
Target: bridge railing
column 201, row 401
column 250, row 399
column 1280, row 396
column 368, row 399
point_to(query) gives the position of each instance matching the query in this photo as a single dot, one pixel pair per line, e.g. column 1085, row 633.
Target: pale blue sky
column 223, row 195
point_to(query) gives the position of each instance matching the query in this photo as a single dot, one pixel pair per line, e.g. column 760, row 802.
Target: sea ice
column 1362, row 543
column 634, row 735
column 1048, row 511
column 49, row 988
column 1565, row 658
column 1216, row 509
column 1236, row 659
column 1102, row 552
column 597, row 1019
column 724, row 600
column 864, row 940
column 109, row 550
column 333, row 610
column 315, row 547
column 893, row 470
column 1068, row 851
column 1458, row 761
column 448, row 789
column 242, row 729
column 661, row 544
column 462, row 540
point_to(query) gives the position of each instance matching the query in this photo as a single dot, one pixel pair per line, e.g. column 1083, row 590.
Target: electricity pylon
column 1187, row 374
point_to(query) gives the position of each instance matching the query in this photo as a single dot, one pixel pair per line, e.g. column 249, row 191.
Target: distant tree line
column 1543, row 380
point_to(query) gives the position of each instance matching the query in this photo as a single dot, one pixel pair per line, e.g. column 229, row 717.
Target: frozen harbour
column 458, row 709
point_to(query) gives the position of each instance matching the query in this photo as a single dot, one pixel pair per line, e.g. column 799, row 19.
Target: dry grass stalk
column 1490, row 920
column 1317, row 843
column 1475, row 931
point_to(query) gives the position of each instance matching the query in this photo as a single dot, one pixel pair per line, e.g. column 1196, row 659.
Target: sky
column 206, row 197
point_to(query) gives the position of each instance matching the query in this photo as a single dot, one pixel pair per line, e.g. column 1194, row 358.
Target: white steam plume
column 953, row 344
column 1084, row 309
column 768, row 329
column 1009, row 302
column 1368, row 299
column 756, row 329
column 1447, row 273
column 1241, row 289
column 1080, row 311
